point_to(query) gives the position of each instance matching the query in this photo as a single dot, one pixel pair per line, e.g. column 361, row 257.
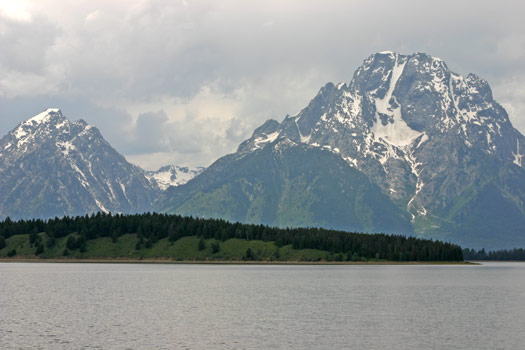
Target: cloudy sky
column 184, row 82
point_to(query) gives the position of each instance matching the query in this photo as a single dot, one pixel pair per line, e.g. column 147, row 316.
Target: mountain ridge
column 416, row 129
column 407, row 146
column 51, row 166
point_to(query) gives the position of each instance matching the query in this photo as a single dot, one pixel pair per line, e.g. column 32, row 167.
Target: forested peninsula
column 178, row 238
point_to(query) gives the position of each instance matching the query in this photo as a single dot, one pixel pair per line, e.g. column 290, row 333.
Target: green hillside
column 184, row 249
column 296, row 186
column 187, row 238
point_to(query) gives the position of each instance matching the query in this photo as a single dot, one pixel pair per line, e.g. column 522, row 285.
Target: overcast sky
column 184, row 82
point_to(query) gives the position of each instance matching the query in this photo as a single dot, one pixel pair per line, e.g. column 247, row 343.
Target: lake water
column 138, row 306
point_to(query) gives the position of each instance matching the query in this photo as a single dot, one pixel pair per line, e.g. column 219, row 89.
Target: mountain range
column 407, row 146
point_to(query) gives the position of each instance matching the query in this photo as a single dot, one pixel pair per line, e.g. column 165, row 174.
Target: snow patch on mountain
column 517, row 156
column 173, row 175
column 265, row 139
column 42, row 117
column 389, row 124
column 101, row 206
column 66, row 147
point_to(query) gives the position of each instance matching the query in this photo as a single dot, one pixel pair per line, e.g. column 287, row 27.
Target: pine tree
column 39, row 249
column 202, row 244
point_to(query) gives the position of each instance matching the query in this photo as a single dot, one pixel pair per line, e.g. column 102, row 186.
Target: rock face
column 50, row 167
column 173, row 175
column 435, row 144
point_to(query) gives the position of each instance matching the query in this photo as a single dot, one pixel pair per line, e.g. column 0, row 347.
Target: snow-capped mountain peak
column 53, row 166
column 44, row 116
column 389, row 119
column 436, row 143
column 48, row 126
column 173, row 175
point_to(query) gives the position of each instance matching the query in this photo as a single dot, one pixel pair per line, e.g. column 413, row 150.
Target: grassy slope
column 296, row 187
column 184, row 249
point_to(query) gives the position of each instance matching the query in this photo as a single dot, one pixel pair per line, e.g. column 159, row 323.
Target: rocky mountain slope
column 51, row 166
column 435, row 144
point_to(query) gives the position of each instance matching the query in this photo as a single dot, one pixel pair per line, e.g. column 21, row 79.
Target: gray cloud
column 150, row 133
column 215, row 70
column 27, row 44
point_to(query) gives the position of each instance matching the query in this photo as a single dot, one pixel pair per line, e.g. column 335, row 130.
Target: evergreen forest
column 147, row 230
column 516, row 254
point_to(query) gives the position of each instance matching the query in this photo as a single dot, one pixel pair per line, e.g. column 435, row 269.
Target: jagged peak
column 44, row 116
column 475, row 77
column 47, row 125
column 269, row 126
column 394, row 54
column 263, row 135
column 425, row 55
column 341, row 85
column 384, row 104
column 173, row 175
column 415, row 58
column 165, row 168
column 81, row 122
column 478, row 82
column 328, row 87
column 171, row 167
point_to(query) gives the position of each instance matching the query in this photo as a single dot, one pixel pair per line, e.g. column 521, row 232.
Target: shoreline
column 222, row 262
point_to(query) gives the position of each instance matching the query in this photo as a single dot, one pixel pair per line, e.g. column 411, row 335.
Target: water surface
column 139, row 306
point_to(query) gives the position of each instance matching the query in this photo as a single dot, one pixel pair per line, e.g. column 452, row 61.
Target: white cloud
column 93, row 17
column 17, row 10
column 510, row 93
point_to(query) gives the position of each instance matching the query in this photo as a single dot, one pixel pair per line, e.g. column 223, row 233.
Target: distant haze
column 184, row 82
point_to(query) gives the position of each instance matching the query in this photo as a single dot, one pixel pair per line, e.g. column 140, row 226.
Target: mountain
column 289, row 186
column 434, row 145
column 173, row 175
column 51, row 166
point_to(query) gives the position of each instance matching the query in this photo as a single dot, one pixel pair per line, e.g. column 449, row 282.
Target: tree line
column 502, row 254
column 151, row 227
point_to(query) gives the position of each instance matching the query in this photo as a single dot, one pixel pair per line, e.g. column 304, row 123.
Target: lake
column 163, row 306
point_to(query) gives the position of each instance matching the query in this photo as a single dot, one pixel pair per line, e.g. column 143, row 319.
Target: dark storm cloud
column 218, row 69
